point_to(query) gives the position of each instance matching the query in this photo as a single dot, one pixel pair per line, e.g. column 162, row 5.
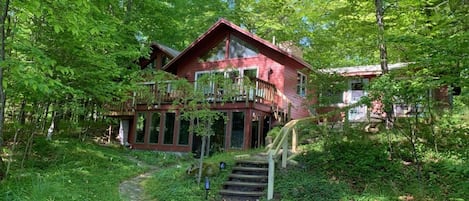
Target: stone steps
column 247, row 180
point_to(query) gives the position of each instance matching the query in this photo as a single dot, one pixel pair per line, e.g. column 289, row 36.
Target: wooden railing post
column 285, row 151
column 294, row 140
column 270, row 184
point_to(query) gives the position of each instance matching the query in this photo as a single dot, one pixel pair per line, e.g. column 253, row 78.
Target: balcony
column 238, row 90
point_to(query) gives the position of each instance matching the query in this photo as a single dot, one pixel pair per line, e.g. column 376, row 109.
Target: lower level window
column 169, row 128
column 155, row 127
column 183, row 138
column 237, row 130
column 140, row 130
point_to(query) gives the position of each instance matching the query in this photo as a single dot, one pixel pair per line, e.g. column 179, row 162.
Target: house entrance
column 356, row 91
column 217, row 141
column 259, row 128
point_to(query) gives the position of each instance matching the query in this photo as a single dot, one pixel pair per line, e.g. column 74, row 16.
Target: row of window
column 155, row 128
column 149, row 132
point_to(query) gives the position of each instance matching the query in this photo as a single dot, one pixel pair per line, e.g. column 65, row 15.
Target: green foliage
column 452, row 131
column 329, row 88
column 356, row 167
column 274, row 132
column 68, row 169
column 309, row 184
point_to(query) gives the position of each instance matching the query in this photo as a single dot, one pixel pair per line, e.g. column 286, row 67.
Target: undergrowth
column 356, row 166
column 68, row 169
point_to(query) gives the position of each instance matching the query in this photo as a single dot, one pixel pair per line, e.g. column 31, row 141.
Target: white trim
column 373, row 69
column 302, row 83
column 350, row 100
column 147, row 83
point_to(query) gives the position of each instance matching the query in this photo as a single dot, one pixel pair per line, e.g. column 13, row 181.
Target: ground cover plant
column 68, row 169
column 354, row 165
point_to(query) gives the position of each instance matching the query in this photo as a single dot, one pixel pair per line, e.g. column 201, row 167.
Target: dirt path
column 131, row 189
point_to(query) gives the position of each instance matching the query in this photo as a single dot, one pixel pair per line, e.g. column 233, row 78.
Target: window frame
column 301, row 89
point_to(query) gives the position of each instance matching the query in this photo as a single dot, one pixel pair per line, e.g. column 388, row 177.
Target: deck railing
column 238, row 90
column 258, row 91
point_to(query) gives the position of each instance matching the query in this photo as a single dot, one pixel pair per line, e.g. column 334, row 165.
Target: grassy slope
column 69, row 170
column 352, row 166
column 356, row 167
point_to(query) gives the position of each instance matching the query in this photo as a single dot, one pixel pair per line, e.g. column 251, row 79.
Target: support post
column 285, row 152
column 270, row 184
column 294, row 140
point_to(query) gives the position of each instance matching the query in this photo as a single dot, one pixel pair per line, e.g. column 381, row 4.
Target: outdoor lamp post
column 207, row 187
column 222, row 165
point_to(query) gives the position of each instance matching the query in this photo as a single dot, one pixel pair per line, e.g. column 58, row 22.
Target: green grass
column 68, row 169
column 356, row 167
column 335, row 166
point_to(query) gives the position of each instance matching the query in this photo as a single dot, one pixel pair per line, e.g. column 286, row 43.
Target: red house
column 279, row 91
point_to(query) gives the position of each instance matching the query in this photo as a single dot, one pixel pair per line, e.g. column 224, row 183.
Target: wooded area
column 62, row 62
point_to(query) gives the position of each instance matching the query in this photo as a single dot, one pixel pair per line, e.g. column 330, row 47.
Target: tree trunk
column 207, row 152
column 383, row 56
column 50, row 131
column 201, row 160
column 3, row 17
column 22, row 113
column 44, row 121
column 381, row 43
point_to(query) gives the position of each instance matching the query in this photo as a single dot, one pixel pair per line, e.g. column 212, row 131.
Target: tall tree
column 4, row 7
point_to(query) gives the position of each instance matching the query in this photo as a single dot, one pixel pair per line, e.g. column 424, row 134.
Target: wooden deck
column 149, row 93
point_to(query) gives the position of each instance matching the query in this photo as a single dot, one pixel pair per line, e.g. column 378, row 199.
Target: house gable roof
column 217, row 32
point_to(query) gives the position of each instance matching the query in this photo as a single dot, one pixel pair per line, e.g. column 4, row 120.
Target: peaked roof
column 223, row 26
column 171, row 53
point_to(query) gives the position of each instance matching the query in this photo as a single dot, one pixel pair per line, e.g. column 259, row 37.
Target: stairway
column 247, row 181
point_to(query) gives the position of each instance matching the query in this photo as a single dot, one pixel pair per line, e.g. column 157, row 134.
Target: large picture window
column 141, row 127
column 209, row 82
column 217, row 53
column 240, row 49
column 237, row 130
column 170, row 117
column 155, row 127
column 235, row 48
column 183, row 138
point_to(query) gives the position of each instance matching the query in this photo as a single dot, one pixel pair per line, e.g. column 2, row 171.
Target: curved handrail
column 281, row 141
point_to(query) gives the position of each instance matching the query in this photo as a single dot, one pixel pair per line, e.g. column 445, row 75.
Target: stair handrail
column 281, row 140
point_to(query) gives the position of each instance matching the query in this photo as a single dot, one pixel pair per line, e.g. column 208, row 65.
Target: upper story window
column 301, row 85
column 240, row 49
column 207, row 81
column 234, row 48
column 217, row 53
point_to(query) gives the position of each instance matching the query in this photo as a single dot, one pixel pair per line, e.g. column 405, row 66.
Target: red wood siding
column 298, row 108
column 268, row 70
